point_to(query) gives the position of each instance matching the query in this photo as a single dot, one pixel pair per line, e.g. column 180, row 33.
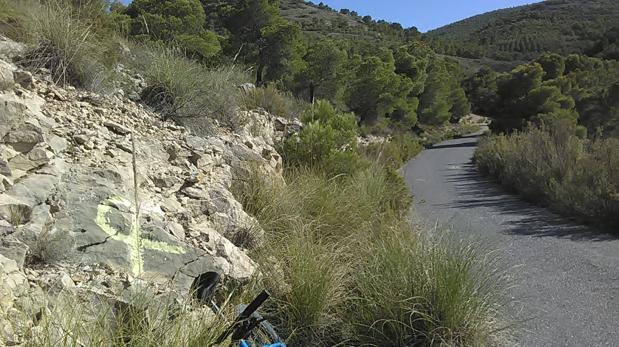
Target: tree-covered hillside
column 320, row 19
column 522, row 33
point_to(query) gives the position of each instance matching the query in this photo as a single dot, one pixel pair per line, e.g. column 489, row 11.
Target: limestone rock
column 14, row 288
column 67, row 190
column 117, row 128
column 4, row 168
column 57, row 144
column 10, row 49
column 24, row 138
column 12, row 248
column 36, row 158
column 6, row 228
column 5, row 183
column 23, row 78
column 176, row 229
column 11, row 114
column 80, row 139
column 6, row 75
column 241, row 266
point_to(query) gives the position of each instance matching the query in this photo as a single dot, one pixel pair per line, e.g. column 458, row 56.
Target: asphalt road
column 566, row 275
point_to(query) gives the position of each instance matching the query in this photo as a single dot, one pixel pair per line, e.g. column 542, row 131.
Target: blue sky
column 424, row 14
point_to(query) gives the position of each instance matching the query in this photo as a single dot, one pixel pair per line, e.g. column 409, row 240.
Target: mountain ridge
column 523, row 32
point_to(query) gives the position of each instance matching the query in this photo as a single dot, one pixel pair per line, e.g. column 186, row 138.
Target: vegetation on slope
column 522, row 33
column 341, row 260
column 342, row 205
column 322, row 20
column 577, row 88
column 564, row 115
column 550, row 164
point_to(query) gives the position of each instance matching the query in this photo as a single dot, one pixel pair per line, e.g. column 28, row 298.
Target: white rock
column 6, row 75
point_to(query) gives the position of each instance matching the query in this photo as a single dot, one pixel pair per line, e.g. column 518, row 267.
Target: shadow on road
column 455, row 145
column 520, row 217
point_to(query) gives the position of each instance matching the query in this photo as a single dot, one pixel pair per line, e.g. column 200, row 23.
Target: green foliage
column 394, row 153
column 521, row 97
column 412, row 61
column 260, row 36
column 245, row 21
column 608, row 45
column 67, row 40
column 279, row 46
column 164, row 20
column 576, row 62
column 411, row 292
column 320, row 75
column 181, row 21
column 552, row 64
column 522, row 33
column 516, row 85
column 187, row 91
column 482, row 90
column 85, row 319
column 460, row 104
column 576, row 88
column 205, row 45
column 553, row 165
column 378, row 91
column 350, row 271
column 547, row 103
column 434, row 105
column 328, row 141
column 274, row 101
column 590, row 83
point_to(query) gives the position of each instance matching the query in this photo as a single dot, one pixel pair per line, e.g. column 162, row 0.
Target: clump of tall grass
column 189, row 92
column 274, row 101
column 64, row 38
column 554, row 166
column 411, row 291
column 90, row 319
column 395, row 152
column 344, row 266
column 308, row 283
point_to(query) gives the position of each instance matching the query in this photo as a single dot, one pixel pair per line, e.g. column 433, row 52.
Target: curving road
column 566, row 275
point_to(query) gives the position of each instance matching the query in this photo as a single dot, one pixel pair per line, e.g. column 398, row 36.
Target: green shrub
column 187, row 91
column 274, row 101
column 382, row 127
column 555, row 166
column 328, row 140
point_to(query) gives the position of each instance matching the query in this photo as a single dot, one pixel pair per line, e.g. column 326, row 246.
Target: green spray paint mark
column 136, row 245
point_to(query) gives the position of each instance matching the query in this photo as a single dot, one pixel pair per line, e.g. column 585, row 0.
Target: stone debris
column 69, row 217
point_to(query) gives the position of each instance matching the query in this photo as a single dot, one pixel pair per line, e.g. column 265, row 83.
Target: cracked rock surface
column 70, row 216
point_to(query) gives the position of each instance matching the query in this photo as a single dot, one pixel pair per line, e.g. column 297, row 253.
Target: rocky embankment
column 71, row 218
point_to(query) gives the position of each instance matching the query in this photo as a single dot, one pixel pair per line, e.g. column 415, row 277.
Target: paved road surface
column 567, row 275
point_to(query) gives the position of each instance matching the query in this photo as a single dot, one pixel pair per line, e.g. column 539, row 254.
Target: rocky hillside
column 97, row 194
column 323, row 21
